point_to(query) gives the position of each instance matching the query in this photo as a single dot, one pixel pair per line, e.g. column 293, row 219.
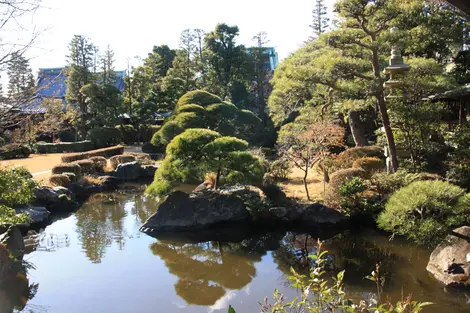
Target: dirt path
column 39, row 165
column 294, row 186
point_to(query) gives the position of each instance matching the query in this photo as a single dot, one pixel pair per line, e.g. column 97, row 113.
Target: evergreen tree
column 320, row 18
column 21, row 85
column 108, row 75
column 79, row 73
column 259, row 57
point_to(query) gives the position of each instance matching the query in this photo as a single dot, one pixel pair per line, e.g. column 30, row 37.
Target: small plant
column 16, row 186
column 67, row 168
column 9, row 216
column 99, row 163
column 280, row 169
column 388, row 183
column 86, row 166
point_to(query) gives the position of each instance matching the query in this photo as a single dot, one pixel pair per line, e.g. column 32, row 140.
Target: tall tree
column 228, row 64
column 79, row 73
column 108, row 75
column 21, row 85
column 320, row 18
column 201, row 64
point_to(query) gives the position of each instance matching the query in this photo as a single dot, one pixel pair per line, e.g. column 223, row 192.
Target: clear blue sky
column 133, row 27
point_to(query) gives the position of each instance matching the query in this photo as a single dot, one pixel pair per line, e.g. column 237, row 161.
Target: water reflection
column 208, row 271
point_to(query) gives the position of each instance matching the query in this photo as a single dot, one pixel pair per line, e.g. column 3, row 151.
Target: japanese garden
column 214, row 176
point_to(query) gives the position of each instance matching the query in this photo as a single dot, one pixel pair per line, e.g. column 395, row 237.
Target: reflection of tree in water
column 15, row 290
column 144, row 208
column 207, row 270
column 99, row 222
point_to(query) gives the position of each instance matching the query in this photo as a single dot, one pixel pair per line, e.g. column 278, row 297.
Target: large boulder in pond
column 319, row 215
column 128, row 171
column 184, row 212
column 37, row 214
column 13, row 241
column 57, row 199
column 449, row 262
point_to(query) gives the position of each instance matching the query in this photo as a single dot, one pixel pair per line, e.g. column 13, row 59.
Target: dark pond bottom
column 96, row 260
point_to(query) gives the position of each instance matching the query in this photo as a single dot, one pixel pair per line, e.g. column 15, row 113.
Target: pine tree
column 108, row 75
column 79, row 73
column 320, row 18
column 21, row 85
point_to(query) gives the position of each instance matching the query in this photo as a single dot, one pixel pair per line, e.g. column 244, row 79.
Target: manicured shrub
column 191, row 108
column 425, row 211
column 105, row 152
column 386, row 184
column 73, row 177
column 168, row 131
column 99, row 163
column 102, row 137
column 128, row 133
column 120, row 159
column 14, row 151
column 149, row 148
column 67, row 168
column 147, row 131
column 67, row 136
column 199, row 97
column 346, row 158
column 59, row 180
column 370, row 164
column 280, row 169
column 340, row 176
column 87, row 166
column 16, row 186
column 62, row 147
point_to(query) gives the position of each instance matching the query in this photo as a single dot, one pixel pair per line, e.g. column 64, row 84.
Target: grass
column 294, row 186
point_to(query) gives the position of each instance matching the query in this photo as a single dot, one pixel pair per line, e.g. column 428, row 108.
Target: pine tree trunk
column 357, row 129
column 305, row 183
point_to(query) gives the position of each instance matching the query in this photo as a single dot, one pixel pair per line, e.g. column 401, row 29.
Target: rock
column 62, row 191
column 46, row 195
column 109, row 181
column 317, row 214
column 148, row 171
column 278, row 212
column 448, row 261
column 13, row 240
column 295, row 214
column 37, row 214
column 128, row 171
column 203, row 186
column 57, row 199
column 182, row 212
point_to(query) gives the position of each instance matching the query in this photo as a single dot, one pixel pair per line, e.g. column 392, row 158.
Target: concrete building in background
column 271, row 61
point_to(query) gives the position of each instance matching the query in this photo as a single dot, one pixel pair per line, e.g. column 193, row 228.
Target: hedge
column 67, row 168
column 14, row 151
column 128, row 134
column 105, row 136
column 60, row 180
column 105, row 152
column 62, row 147
column 87, row 166
column 100, row 163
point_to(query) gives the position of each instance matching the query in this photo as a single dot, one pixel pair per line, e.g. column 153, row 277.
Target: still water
column 96, row 260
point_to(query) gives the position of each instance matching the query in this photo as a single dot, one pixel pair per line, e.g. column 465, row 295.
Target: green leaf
column 231, row 310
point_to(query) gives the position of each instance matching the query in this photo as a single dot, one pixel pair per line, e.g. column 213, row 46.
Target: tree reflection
column 206, row 271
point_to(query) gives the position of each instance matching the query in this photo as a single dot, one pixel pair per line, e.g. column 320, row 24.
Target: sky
column 132, row 28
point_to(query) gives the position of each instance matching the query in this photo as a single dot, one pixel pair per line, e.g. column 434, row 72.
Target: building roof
column 51, row 83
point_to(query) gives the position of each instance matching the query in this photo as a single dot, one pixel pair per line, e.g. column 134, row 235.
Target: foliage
column 14, row 151
column 104, row 136
column 346, row 158
column 16, row 186
column 224, row 118
column 21, row 84
column 306, row 144
column 104, row 104
column 62, row 147
column 458, row 158
column 9, row 216
column 386, row 184
column 86, row 166
column 280, row 169
column 128, row 133
column 320, row 18
column 425, row 211
column 105, row 152
column 195, row 152
column 60, row 180
column 100, row 163
column 319, row 293
column 370, row 165
column 120, row 159
column 159, row 188
column 67, row 168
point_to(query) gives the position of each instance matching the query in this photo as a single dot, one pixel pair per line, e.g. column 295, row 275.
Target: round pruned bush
column 128, row 133
column 61, row 180
column 424, row 211
column 386, row 184
column 67, row 168
column 168, row 131
column 73, row 178
column 99, row 163
column 191, row 108
column 280, row 169
column 103, row 137
column 370, row 164
column 87, row 166
column 120, row 159
column 346, row 158
column 199, row 97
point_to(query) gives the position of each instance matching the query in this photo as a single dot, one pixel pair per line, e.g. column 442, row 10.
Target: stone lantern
column 395, row 68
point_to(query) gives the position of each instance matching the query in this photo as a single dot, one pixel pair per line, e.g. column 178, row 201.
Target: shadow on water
column 205, row 267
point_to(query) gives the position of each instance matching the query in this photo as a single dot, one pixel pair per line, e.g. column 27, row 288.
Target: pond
column 96, row 260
